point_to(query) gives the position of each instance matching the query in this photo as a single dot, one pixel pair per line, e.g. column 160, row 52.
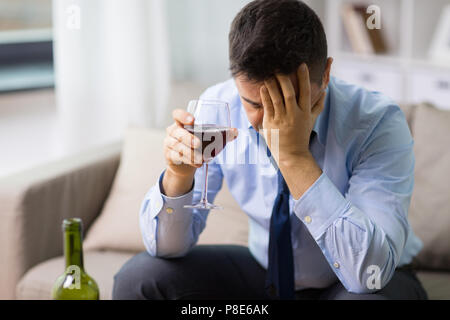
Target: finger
column 275, row 96
column 170, row 128
column 185, row 137
column 185, row 155
column 171, row 142
column 174, row 157
column 288, row 93
column 182, row 117
column 318, row 107
column 266, row 102
column 232, row 134
column 304, row 100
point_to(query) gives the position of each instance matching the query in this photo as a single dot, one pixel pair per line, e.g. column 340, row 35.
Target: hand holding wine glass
column 183, row 152
column 212, row 126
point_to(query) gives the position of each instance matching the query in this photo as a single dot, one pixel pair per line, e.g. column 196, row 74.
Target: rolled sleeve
column 320, row 206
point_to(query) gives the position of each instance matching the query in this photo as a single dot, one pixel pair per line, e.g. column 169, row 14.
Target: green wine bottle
column 74, row 283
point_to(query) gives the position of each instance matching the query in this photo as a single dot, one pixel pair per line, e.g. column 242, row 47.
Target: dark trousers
column 230, row 272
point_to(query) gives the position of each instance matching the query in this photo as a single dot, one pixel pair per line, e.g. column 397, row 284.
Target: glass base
column 203, row 205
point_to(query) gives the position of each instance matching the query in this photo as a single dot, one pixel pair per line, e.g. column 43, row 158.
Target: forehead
column 250, row 89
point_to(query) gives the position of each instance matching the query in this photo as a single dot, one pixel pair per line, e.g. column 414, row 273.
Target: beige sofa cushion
column 436, row 284
column 37, row 283
column 430, row 210
column 142, row 161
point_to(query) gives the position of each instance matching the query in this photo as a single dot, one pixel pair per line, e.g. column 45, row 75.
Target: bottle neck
column 73, row 248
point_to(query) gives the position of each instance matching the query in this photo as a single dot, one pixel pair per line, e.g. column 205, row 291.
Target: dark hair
column 276, row 36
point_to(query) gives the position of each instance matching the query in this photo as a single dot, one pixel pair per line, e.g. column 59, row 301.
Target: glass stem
column 205, row 187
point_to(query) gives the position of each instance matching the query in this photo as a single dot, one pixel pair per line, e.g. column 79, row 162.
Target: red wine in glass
column 213, row 138
column 211, row 124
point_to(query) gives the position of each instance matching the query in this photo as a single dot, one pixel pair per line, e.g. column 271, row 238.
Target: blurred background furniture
column 109, row 64
column 105, row 186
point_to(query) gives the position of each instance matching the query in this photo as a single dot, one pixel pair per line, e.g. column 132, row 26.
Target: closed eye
column 254, row 104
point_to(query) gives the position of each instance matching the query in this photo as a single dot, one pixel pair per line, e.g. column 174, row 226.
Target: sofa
column 104, row 187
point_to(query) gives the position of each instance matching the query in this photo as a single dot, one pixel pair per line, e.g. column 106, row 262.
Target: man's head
column 276, row 36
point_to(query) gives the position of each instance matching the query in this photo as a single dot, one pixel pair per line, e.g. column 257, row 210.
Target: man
column 329, row 222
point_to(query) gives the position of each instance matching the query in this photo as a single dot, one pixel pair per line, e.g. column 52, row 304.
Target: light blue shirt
column 351, row 225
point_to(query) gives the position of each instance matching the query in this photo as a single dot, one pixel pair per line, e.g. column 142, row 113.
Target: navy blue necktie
column 280, row 272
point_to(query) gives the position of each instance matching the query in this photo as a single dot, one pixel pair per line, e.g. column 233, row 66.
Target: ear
column 326, row 73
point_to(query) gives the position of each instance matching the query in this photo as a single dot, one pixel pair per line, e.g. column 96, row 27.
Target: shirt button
column 169, row 210
column 308, row 219
column 336, row 265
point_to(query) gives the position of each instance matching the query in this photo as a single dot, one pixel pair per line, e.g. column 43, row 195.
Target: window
column 26, row 57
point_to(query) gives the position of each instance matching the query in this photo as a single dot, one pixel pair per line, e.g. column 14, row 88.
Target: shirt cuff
column 157, row 208
column 320, row 206
column 174, row 206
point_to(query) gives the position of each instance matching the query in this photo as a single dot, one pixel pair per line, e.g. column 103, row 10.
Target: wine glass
column 211, row 124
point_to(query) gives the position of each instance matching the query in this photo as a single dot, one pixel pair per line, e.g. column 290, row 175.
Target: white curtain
column 111, row 67
column 199, row 38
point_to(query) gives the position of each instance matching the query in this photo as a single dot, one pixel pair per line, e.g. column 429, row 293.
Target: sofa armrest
column 34, row 203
